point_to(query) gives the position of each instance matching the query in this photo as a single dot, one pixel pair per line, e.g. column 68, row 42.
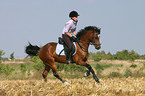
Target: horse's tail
column 32, row 50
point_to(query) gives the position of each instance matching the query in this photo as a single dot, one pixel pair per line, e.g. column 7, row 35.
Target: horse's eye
column 96, row 37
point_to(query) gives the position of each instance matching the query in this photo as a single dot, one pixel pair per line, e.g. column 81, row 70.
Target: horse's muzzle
column 97, row 46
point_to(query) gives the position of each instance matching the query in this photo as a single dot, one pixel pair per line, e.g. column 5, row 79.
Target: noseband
column 93, row 39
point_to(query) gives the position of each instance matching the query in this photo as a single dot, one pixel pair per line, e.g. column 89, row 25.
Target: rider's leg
column 68, row 52
column 68, row 56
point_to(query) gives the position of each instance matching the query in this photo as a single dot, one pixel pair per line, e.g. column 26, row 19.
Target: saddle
column 61, row 42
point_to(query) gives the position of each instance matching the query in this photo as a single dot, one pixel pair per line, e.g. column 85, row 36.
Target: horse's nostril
column 98, row 47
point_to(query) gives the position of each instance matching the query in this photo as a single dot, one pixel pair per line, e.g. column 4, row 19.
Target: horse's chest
column 84, row 57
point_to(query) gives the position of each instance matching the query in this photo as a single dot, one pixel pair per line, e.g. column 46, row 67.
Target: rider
column 69, row 33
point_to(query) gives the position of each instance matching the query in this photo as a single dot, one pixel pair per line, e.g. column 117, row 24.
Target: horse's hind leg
column 55, row 73
column 45, row 72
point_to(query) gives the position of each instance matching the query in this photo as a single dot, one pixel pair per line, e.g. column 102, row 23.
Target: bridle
column 92, row 43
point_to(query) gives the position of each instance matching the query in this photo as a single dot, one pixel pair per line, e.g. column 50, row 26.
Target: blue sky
column 42, row 21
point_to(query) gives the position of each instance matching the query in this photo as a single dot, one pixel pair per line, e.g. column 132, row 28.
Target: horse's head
column 95, row 37
column 90, row 34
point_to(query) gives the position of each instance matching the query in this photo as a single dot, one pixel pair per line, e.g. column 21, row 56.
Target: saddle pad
column 59, row 48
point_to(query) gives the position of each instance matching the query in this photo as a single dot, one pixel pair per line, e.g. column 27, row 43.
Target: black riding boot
column 68, row 57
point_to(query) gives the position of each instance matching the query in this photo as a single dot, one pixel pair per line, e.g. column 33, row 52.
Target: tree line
column 120, row 55
column 101, row 55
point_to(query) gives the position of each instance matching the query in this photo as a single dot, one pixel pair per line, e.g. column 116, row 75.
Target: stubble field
column 118, row 78
column 77, row 87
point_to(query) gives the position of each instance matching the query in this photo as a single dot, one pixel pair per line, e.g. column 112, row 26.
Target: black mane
column 86, row 29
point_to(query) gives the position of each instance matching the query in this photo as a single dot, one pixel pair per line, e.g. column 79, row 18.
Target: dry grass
column 125, row 65
column 79, row 87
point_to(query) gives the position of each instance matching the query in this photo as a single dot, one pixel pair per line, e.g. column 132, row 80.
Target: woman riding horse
column 68, row 34
column 88, row 35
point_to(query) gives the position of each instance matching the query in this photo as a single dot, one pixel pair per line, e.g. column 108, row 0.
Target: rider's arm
column 68, row 34
column 75, row 33
column 66, row 29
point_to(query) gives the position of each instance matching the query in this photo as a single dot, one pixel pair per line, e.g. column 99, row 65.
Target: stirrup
column 68, row 61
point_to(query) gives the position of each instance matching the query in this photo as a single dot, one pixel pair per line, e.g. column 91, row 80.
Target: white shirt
column 70, row 27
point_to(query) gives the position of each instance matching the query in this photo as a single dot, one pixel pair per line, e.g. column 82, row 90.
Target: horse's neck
column 84, row 42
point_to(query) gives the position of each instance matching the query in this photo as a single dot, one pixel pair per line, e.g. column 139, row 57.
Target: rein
column 81, row 46
column 87, row 43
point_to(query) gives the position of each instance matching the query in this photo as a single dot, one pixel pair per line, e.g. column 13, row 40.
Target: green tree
column 126, row 55
column 12, row 56
column 120, row 55
column 109, row 56
column 1, row 54
column 100, row 54
column 104, row 56
column 133, row 55
column 142, row 57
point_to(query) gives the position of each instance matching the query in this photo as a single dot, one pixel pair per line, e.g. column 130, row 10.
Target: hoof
column 44, row 76
column 68, row 62
column 87, row 73
column 45, row 80
column 66, row 83
column 98, row 81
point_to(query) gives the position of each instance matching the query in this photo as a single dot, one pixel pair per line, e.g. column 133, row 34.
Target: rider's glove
column 74, row 38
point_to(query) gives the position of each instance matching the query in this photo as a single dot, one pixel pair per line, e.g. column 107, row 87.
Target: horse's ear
column 99, row 30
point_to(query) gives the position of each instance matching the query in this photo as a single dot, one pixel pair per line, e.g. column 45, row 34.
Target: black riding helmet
column 73, row 14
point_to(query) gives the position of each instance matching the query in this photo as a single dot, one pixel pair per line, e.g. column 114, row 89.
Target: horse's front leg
column 87, row 73
column 92, row 71
column 89, row 67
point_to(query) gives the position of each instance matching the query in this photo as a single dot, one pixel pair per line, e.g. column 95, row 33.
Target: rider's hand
column 74, row 38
